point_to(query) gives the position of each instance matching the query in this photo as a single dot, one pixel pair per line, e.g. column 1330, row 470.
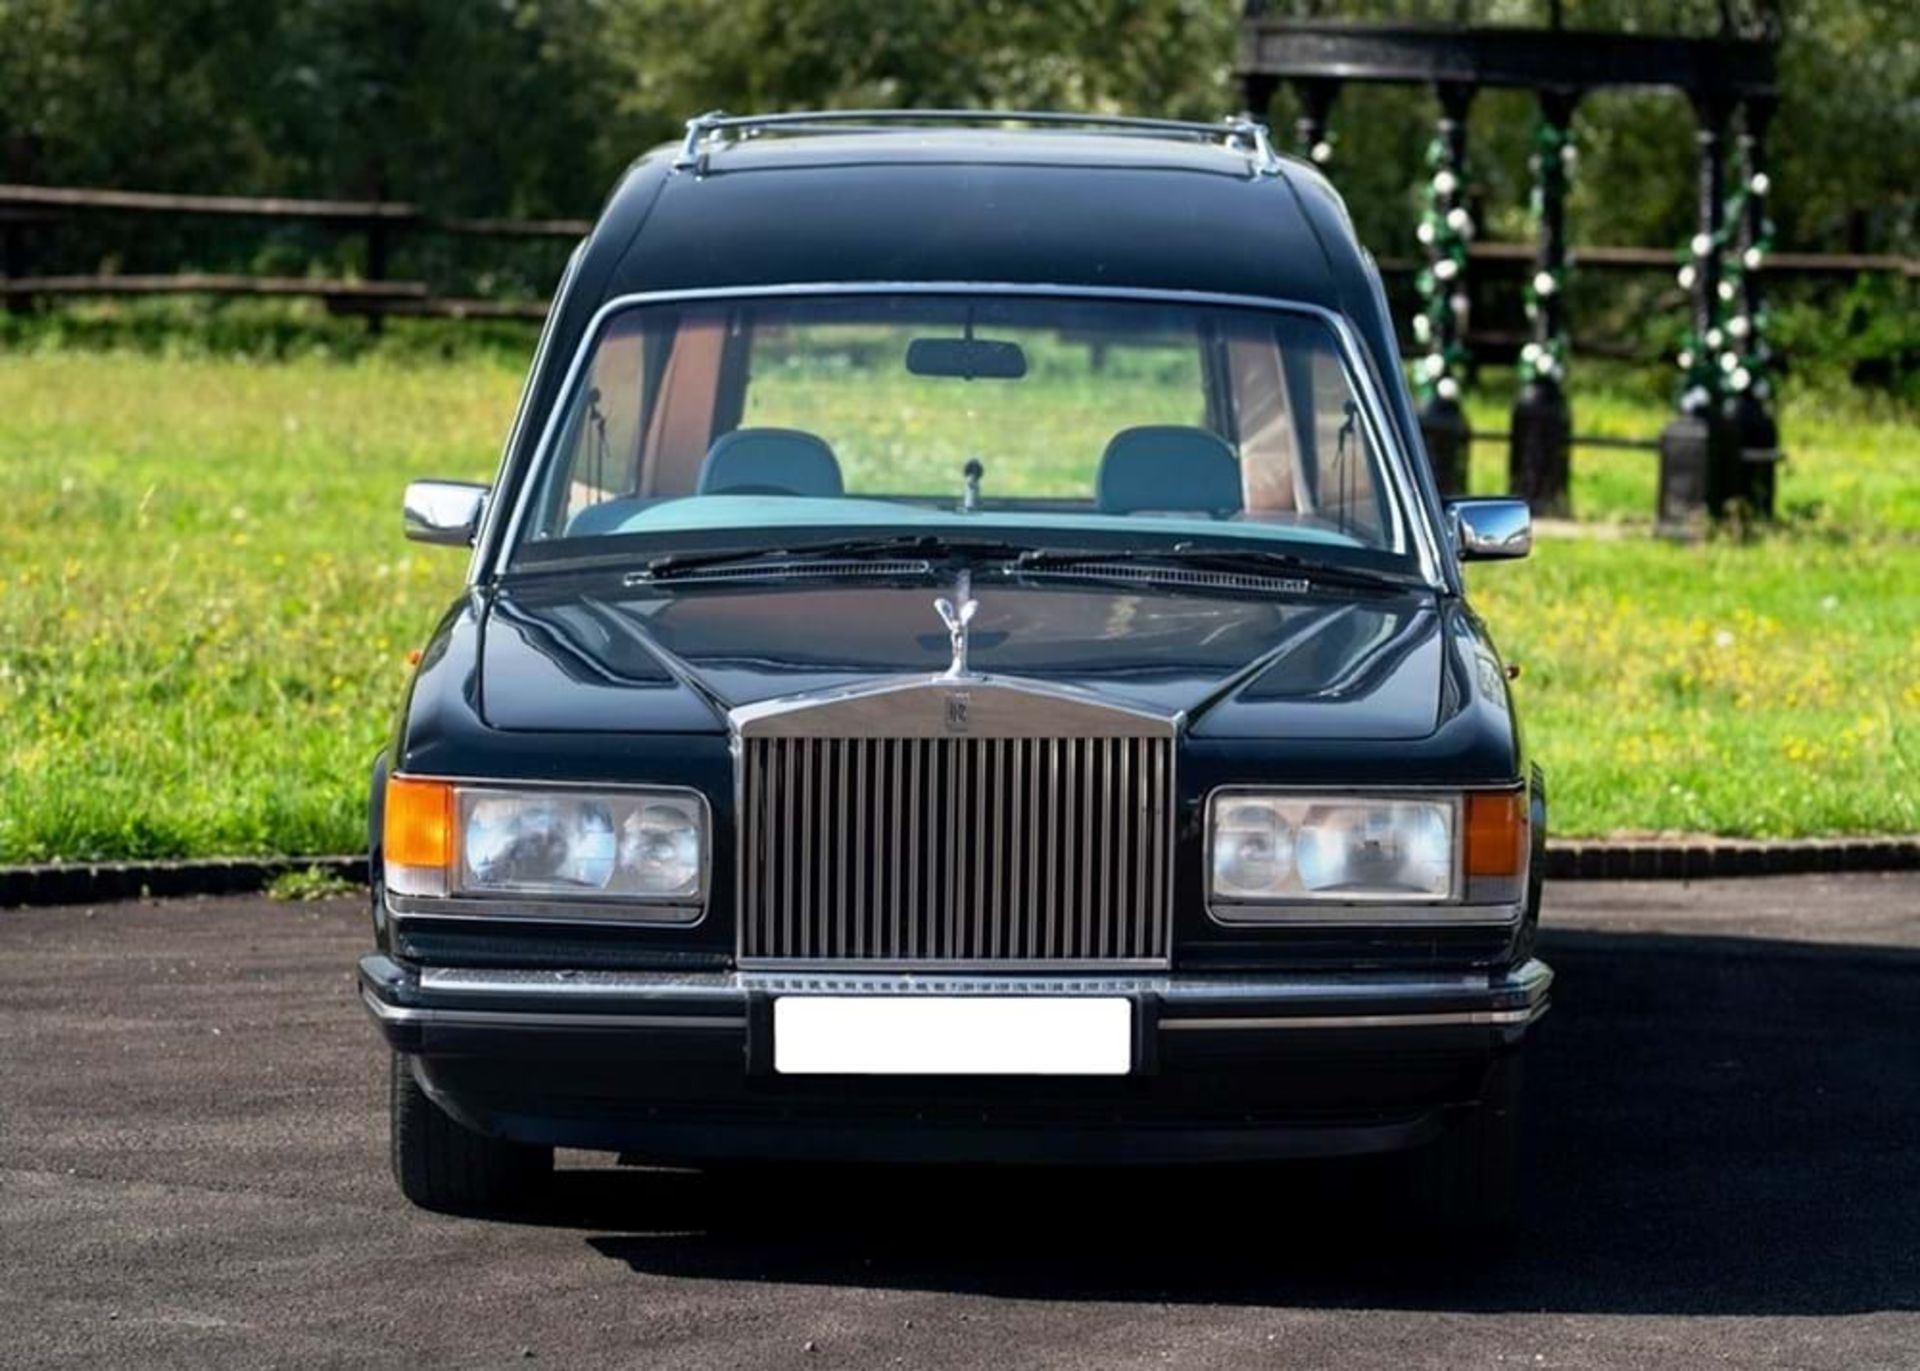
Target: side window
column 1270, row 475
column 1305, row 453
column 597, row 457
column 1347, row 494
column 640, row 423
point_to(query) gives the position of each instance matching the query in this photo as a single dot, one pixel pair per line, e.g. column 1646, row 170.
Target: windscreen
column 1035, row 419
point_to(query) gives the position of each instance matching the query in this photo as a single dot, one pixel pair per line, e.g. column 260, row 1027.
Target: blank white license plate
column 951, row 1035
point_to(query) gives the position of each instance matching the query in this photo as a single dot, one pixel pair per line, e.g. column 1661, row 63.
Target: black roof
column 1064, row 208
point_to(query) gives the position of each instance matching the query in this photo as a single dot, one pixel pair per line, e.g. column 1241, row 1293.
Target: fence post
column 13, row 258
column 15, row 252
column 376, row 267
column 377, row 244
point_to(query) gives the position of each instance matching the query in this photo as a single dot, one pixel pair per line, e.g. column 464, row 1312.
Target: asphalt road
column 1726, row 1141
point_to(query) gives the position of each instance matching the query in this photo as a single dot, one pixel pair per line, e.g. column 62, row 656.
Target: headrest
column 770, row 461
column 1168, row 469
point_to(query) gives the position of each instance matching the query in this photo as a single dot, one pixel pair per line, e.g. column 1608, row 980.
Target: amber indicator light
column 1496, row 833
column 419, row 822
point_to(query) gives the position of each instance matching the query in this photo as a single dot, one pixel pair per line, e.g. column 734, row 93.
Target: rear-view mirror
column 970, row 359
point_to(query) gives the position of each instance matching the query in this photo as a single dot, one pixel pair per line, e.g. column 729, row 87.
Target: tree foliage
column 533, row 106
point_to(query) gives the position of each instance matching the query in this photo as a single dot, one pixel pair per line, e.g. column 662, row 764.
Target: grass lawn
column 205, row 601
column 206, row 605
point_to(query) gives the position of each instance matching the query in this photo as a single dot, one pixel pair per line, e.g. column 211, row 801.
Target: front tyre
column 1465, row 1183
column 443, row 1165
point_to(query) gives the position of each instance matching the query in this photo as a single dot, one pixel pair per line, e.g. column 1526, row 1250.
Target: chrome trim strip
column 481, row 980
column 433, row 908
column 998, row 707
column 1360, row 376
column 1465, row 1019
column 508, row 1018
column 513, row 1019
column 1160, row 814
column 1531, row 980
column 1380, row 914
column 400, row 1015
column 1049, row 845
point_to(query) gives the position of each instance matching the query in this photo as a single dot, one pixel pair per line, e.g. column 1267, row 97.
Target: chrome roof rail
column 1240, row 133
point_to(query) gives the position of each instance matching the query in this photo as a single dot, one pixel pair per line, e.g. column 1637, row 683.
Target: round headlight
column 660, row 845
column 1252, row 850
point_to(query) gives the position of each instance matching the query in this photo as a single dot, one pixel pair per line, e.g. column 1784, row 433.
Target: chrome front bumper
column 678, row 1067
column 408, row 1003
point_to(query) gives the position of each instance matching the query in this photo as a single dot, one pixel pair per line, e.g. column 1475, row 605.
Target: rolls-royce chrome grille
column 950, row 850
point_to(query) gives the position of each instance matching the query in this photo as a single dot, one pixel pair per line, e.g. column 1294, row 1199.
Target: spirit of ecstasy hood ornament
column 957, row 613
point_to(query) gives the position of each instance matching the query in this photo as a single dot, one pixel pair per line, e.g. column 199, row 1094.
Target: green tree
column 1157, row 56
column 532, row 107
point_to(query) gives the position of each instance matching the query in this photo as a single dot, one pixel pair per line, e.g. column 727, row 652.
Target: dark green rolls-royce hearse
column 963, row 660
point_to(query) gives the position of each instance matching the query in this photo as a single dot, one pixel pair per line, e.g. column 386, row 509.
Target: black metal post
column 1259, row 92
column 1538, row 455
column 1441, row 326
column 1696, row 478
column 1317, row 95
column 1755, row 435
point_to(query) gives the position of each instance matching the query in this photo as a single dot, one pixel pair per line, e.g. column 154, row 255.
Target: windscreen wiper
column 928, row 546
column 1308, row 571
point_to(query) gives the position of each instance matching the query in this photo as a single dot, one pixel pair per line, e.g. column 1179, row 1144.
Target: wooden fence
column 25, row 209
column 34, row 209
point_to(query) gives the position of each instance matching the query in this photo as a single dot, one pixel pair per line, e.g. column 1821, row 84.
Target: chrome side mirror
column 1491, row 530
column 445, row 512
